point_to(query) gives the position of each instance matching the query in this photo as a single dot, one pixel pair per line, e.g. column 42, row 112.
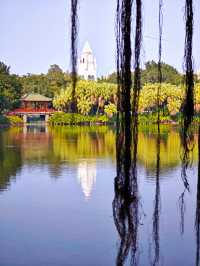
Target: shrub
column 153, row 118
column 14, row 120
column 110, row 109
column 4, row 120
column 74, row 119
column 10, row 120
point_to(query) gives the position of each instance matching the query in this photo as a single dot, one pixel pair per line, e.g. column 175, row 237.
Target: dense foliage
column 10, row 89
column 171, row 98
column 91, row 97
column 97, row 98
column 46, row 84
column 150, row 74
column 94, row 98
column 169, row 74
column 10, row 120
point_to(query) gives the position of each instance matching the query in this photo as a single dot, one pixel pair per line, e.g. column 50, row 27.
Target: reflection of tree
column 75, row 143
column 83, row 142
column 125, row 212
column 156, row 214
column 189, row 153
column 187, row 141
column 10, row 160
column 147, row 149
column 61, row 145
column 125, row 204
column 197, row 222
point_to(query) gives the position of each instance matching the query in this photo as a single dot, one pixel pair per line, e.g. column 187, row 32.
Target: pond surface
column 56, row 194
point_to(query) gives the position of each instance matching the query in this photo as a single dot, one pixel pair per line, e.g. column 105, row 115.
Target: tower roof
column 87, row 48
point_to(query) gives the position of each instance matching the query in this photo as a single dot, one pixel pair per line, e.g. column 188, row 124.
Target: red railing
column 32, row 110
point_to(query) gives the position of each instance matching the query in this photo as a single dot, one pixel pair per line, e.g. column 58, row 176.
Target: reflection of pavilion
column 87, row 176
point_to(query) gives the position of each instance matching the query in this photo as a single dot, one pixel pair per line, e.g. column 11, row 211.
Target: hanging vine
column 125, row 203
column 74, row 34
column 188, row 105
column 188, row 108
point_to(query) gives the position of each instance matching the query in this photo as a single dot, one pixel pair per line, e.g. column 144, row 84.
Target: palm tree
column 4, row 69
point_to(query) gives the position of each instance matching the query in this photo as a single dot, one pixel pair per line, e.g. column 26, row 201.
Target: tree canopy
column 169, row 74
column 46, row 84
column 150, row 74
column 10, row 89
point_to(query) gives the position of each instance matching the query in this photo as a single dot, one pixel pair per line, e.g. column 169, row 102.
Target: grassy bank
column 62, row 119
column 78, row 119
column 144, row 119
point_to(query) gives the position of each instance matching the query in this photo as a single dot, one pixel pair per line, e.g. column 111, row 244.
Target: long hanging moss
column 160, row 23
column 74, row 34
column 137, row 70
column 136, row 87
column 188, row 105
column 125, row 203
column 156, row 213
column 188, row 108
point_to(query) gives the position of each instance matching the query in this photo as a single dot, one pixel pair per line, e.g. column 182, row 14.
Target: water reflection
column 56, row 147
column 35, row 156
column 87, row 177
column 197, row 221
column 10, row 160
column 126, row 200
column 125, row 214
column 157, row 206
column 189, row 154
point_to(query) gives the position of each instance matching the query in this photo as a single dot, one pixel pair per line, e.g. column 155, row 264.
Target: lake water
column 57, row 190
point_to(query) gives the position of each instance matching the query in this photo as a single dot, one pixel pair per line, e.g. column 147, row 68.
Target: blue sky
column 35, row 34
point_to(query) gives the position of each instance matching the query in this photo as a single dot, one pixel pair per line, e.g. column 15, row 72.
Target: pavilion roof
column 35, row 97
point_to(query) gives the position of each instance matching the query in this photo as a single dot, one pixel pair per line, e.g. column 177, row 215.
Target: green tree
column 4, row 69
column 10, row 89
column 169, row 74
column 56, row 79
column 46, row 84
column 112, row 78
column 32, row 83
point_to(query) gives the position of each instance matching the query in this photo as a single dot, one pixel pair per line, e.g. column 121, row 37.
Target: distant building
column 35, row 102
column 87, row 68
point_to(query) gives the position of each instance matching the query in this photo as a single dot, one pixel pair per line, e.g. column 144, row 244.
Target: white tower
column 87, row 65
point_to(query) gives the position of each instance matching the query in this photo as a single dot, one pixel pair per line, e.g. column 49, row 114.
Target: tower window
column 90, row 77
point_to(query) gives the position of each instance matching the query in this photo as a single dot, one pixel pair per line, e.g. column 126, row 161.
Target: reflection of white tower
column 198, row 75
column 87, row 177
column 87, row 64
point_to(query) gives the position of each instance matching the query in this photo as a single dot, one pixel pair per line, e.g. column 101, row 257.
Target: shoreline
column 2, row 126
